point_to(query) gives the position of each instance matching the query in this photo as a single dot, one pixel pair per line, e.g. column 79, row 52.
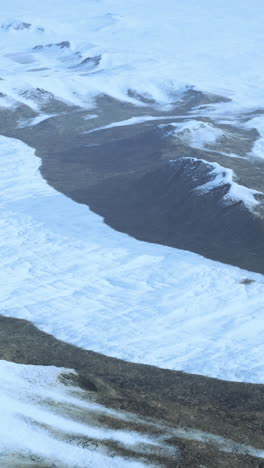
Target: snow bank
column 197, row 134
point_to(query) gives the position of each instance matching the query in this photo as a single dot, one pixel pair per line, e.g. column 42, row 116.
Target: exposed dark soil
column 124, row 174
column 229, row 409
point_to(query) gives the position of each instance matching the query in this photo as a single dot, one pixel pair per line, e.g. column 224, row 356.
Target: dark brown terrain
column 125, row 174
column 178, row 403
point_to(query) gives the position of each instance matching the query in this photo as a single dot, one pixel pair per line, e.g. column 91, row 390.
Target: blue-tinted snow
column 156, row 48
column 76, row 278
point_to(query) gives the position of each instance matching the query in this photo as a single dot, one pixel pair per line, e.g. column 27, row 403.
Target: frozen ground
column 74, row 277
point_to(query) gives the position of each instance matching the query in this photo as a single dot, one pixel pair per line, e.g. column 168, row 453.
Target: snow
column 35, row 121
column 197, row 134
column 90, row 116
column 76, row 278
column 258, row 148
column 223, row 176
column 71, row 275
column 226, row 445
column 34, row 400
column 213, row 47
column 134, row 121
column 58, row 423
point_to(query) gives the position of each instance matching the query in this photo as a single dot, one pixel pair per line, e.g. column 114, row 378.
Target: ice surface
column 76, row 278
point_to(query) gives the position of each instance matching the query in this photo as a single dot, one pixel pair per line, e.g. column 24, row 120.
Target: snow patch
column 133, row 121
column 36, row 120
column 197, row 134
column 223, row 176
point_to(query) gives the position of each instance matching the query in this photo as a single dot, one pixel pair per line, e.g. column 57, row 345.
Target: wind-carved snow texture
column 66, row 271
column 47, row 417
column 57, row 422
column 120, row 49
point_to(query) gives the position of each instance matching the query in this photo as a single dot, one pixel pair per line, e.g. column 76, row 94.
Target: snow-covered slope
column 153, row 48
column 47, row 417
column 58, row 424
column 74, row 277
